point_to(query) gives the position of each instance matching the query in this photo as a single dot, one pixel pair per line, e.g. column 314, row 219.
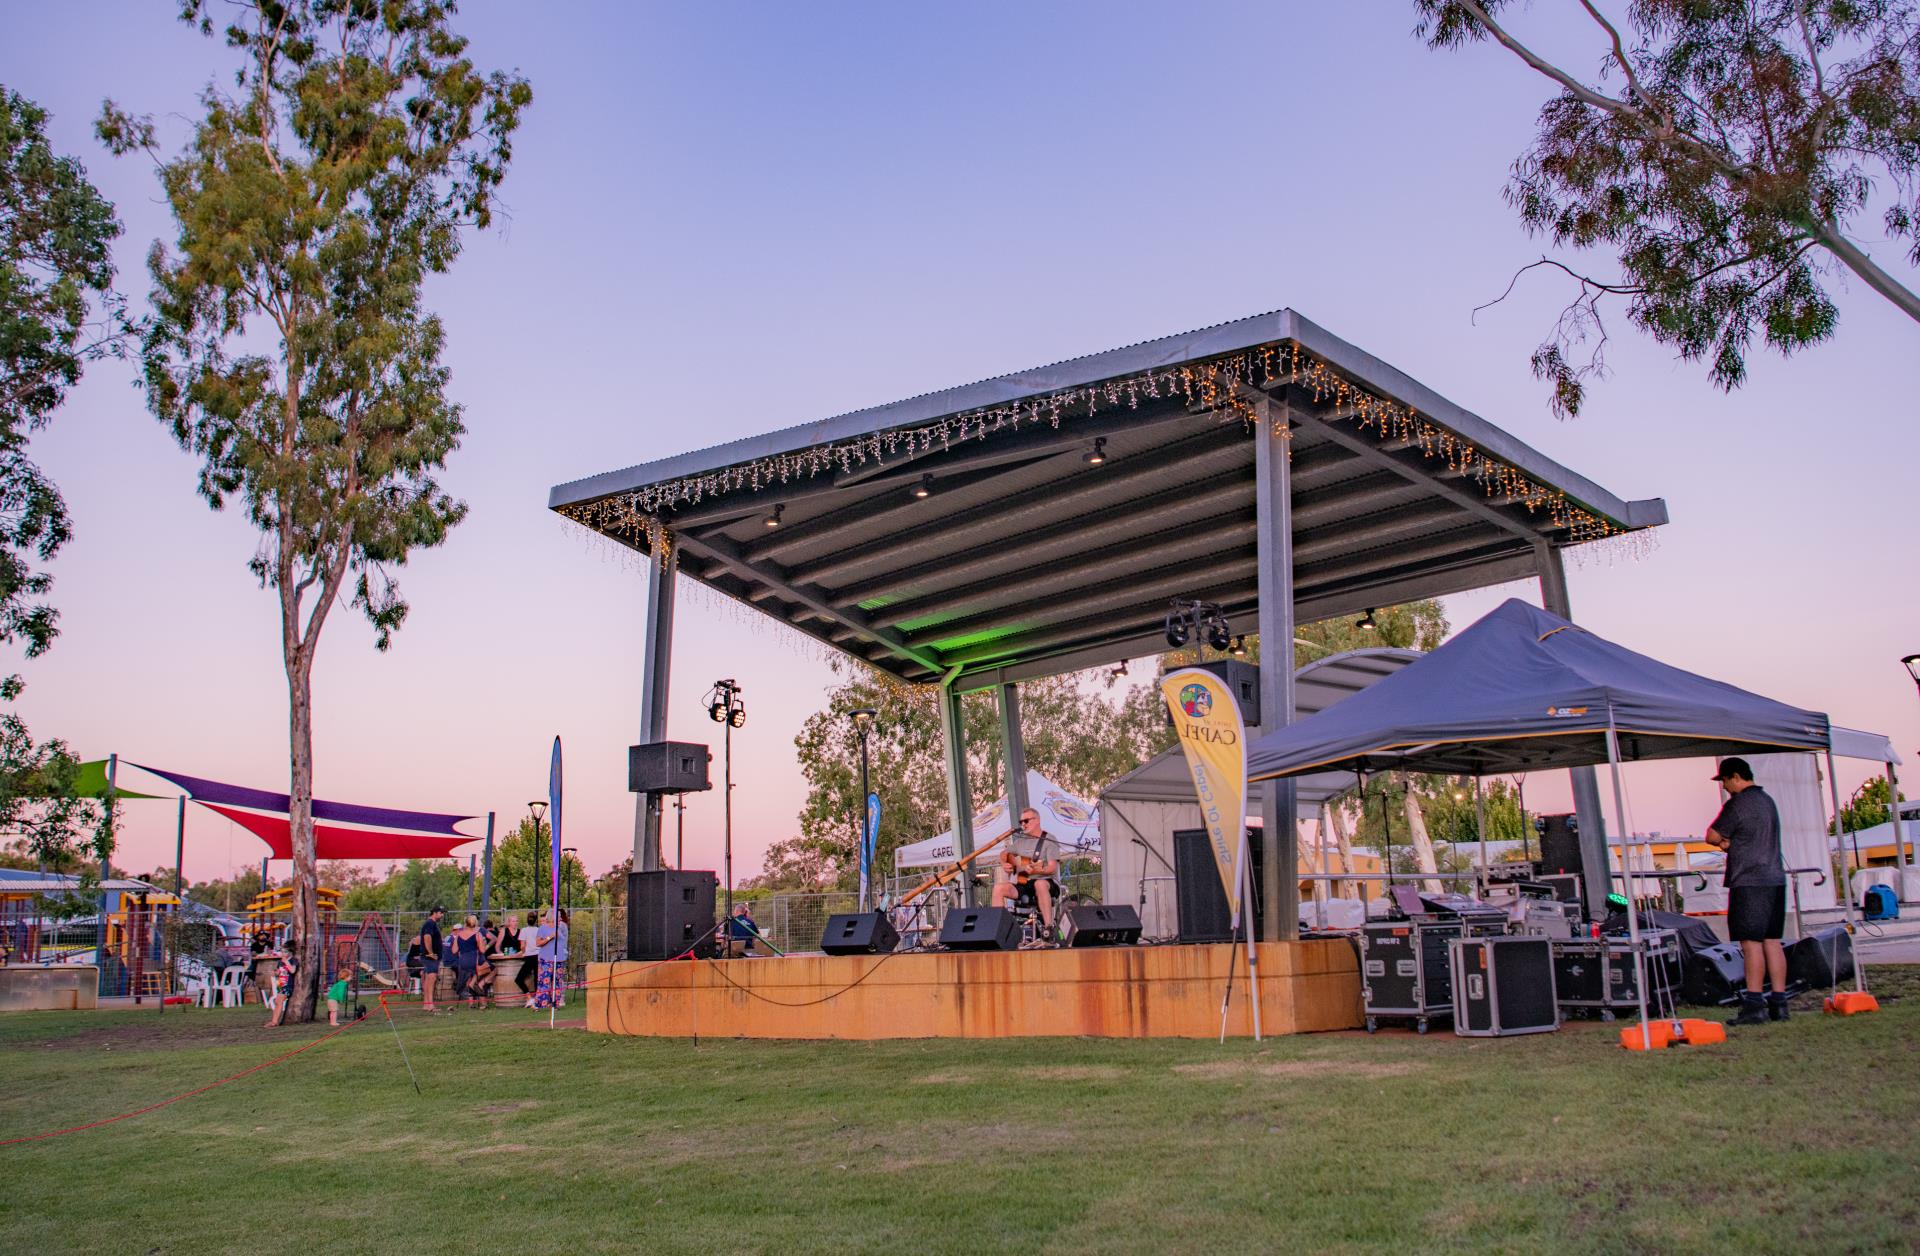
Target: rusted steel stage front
column 1103, row 992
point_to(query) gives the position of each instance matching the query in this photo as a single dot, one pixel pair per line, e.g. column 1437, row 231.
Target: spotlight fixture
column 1365, row 622
column 1239, row 649
column 717, row 712
column 1117, row 670
column 772, row 521
column 1219, row 634
column 1098, row 454
column 724, row 705
column 1177, row 631
column 925, row 487
column 737, row 717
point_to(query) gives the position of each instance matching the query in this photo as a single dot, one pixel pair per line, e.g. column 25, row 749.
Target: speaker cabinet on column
column 859, row 933
column 670, row 911
column 668, row 767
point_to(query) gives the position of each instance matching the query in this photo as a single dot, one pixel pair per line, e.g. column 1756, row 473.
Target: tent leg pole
column 1633, row 908
column 1902, row 854
column 1480, row 826
column 1846, row 889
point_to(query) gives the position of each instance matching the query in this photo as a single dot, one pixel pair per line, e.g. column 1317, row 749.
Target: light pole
column 565, row 879
column 863, row 725
column 539, row 809
column 724, row 707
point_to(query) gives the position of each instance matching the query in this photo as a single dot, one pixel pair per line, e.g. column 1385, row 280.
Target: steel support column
column 1013, row 750
column 953, row 736
column 1586, row 781
column 1273, row 497
column 653, row 700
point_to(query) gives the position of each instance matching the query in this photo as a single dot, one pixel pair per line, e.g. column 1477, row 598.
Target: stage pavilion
column 1041, row 522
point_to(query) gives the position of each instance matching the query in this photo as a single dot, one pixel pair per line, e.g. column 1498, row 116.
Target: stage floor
column 1098, row 992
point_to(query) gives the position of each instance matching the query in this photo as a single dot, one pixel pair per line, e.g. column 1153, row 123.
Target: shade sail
column 91, row 782
column 1522, row 689
column 333, row 841
column 209, row 792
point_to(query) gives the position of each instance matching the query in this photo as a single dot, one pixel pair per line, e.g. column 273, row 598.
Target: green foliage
column 56, row 272
column 416, row 886
column 1073, row 736
column 1723, row 155
column 523, row 870
column 227, row 894
column 1868, row 806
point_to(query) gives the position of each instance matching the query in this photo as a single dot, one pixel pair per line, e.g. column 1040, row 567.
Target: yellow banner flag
column 1208, row 723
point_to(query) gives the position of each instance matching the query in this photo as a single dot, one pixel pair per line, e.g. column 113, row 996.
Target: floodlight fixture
column 1366, row 622
column 1098, row 454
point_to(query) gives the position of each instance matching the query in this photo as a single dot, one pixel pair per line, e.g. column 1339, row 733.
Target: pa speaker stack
column 859, row 933
column 670, row 913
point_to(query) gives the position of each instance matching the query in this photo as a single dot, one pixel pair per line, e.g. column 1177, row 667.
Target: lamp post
column 724, row 707
column 863, row 725
column 1912, row 663
column 565, row 879
column 539, row 809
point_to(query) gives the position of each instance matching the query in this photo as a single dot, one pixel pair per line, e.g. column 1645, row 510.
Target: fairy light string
column 1217, row 387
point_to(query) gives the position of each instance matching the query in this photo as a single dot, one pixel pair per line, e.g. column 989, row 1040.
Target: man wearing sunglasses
column 1028, row 868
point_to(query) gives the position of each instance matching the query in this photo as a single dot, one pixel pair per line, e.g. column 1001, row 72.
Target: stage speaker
column 1204, row 915
column 1559, row 844
column 980, row 929
column 670, row 911
column 1714, row 975
column 1097, row 924
column 668, row 767
column 1821, row 960
column 859, row 933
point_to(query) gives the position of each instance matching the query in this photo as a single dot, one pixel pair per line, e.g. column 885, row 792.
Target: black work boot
column 1753, row 1009
column 1777, row 1006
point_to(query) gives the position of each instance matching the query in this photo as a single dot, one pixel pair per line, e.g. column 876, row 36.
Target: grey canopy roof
column 1317, row 686
column 1522, row 689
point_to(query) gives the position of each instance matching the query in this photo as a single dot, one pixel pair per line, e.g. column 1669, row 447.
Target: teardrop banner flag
column 553, row 814
column 1207, row 721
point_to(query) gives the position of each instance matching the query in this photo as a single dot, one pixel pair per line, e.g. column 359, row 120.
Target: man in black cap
column 1748, row 829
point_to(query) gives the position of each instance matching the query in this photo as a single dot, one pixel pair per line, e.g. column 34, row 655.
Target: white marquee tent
column 1073, row 822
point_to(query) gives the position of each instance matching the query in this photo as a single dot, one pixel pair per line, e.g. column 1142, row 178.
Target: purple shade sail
column 203, row 790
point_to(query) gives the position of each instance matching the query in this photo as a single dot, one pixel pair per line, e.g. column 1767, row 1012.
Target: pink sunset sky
column 726, row 219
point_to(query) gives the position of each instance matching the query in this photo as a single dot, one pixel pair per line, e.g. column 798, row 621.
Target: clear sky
column 727, row 218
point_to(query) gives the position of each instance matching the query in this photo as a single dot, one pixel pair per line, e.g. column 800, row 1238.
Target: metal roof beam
column 721, row 548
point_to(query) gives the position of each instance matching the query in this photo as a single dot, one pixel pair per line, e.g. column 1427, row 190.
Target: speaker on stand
column 669, row 912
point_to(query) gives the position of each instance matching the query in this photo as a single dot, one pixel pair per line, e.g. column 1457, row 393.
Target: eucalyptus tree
column 1726, row 152
column 290, row 349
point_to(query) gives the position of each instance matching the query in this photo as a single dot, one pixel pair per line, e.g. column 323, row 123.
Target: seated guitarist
column 1028, row 868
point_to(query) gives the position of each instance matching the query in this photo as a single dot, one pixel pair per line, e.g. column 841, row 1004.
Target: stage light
column 737, row 717
column 1239, row 649
column 1365, row 622
column 1176, row 630
column 772, row 521
column 1098, row 454
column 1219, row 634
column 1117, row 670
column 925, row 487
column 717, row 712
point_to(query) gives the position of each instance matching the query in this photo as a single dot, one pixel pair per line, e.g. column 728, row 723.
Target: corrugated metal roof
column 1024, row 559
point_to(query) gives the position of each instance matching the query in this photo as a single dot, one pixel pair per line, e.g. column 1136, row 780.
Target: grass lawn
column 1794, row 1137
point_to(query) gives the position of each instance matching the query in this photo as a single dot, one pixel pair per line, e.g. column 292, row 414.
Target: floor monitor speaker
column 980, row 929
column 859, row 933
column 1098, row 924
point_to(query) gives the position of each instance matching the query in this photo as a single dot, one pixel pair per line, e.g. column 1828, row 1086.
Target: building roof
column 1024, row 558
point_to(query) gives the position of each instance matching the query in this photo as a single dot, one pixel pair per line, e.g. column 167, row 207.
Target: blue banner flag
column 553, row 815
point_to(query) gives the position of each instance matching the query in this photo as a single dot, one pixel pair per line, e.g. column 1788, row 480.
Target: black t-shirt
column 430, row 938
column 1751, row 824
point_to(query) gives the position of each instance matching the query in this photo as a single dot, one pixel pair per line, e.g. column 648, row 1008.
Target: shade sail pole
column 1846, row 884
column 1273, row 543
column 1626, row 864
column 662, row 569
column 1480, row 823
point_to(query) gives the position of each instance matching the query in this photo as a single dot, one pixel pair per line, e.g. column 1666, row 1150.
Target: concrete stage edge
column 1097, row 992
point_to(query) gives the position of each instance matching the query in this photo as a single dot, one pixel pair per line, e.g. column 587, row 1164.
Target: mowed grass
column 1792, row 1138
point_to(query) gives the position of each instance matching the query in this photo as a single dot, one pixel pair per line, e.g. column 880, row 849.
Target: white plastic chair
column 233, row 985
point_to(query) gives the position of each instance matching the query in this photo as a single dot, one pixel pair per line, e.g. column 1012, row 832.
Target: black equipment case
column 1598, row 974
column 1503, row 986
column 1403, row 970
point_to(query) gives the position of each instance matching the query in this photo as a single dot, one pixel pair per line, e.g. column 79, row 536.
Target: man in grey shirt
column 1748, row 829
column 1029, row 867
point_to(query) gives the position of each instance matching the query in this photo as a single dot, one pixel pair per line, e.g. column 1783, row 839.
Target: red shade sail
column 333, row 841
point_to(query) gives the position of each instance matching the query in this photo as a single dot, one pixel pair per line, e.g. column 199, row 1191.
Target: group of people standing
column 470, row 948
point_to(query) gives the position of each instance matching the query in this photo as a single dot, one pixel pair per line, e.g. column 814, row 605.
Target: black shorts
column 1025, row 895
column 1756, row 913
